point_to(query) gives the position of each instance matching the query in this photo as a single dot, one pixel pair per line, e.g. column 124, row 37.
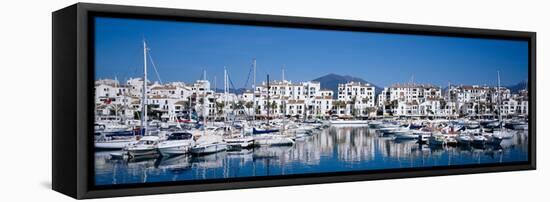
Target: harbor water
column 335, row 149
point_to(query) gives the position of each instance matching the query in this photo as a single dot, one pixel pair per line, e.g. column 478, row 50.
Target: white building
column 405, row 99
column 358, row 98
column 291, row 99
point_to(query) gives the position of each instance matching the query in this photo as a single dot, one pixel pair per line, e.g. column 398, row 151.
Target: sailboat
column 208, row 143
column 118, row 140
column 498, row 134
column 270, row 136
column 147, row 144
column 242, row 140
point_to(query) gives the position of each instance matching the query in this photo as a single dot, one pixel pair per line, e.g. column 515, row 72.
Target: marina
column 153, row 132
column 331, row 149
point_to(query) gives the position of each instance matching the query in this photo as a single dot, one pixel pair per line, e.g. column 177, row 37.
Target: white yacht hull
column 175, row 147
column 521, row 127
column 274, row 141
column 113, row 144
column 240, row 142
column 208, row 149
column 349, row 122
column 142, row 152
column 174, row 150
column 405, row 136
column 464, row 140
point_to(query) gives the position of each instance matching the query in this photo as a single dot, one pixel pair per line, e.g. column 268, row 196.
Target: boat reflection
column 333, row 149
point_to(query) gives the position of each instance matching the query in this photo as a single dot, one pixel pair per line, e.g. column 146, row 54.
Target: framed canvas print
column 154, row 100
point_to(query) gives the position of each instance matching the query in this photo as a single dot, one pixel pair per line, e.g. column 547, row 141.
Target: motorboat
column 209, row 144
column 177, row 143
column 493, row 139
column 464, row 139
column 272, row 140
column 517, row 125
column 300, row 131
column 409, row 135
column 478, row 139
column 349, row 122
column 113, row 140
column 239, row 142
column 145, row 146
column 388, row 129
column 437, row 139
column 375, row 124
column 451, row 139
column 419, row 135
column 503, row 134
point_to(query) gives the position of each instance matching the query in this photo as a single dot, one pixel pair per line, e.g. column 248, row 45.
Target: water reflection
column 333, row 149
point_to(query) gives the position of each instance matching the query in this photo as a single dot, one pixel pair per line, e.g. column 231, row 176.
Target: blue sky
column 181, row 51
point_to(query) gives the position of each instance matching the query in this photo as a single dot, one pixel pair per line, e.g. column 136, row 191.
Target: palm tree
column 273, row 106
column 239, row 105
column 282, row 107
column 369, row 110
column 248, row 105
column 219, row 108
column 364, row 101
column 338, row 105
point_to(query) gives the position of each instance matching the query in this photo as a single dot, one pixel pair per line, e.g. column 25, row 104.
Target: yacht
column 209, row 144
column 437, row 139
column 451, row 139
column 504, row 134
column 517, row 125
column 113, row 140
column 177, row 143
column 478, row 139
column 464, row 139
column 240, row 141
column 147, row 145
column 408, row 135
column 272, row 140
column 349, row 122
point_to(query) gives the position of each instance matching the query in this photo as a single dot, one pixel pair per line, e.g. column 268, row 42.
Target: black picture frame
column 72, row 83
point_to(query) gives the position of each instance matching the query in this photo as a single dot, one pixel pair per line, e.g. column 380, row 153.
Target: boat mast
column 268, row 103
column 116, row 107
column 189, row 110
column 305, row 102
column 204, row 103
column 225, row 89
column 448, row 101
column 499, row 100
column 144, row 91
column 215, row 100
column 254, row 92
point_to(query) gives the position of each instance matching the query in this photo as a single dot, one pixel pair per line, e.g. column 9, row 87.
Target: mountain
column 331, row 81
column 519, row 86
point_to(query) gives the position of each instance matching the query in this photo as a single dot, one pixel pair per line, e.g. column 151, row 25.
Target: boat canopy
column 150, row 138
column 180, row 136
